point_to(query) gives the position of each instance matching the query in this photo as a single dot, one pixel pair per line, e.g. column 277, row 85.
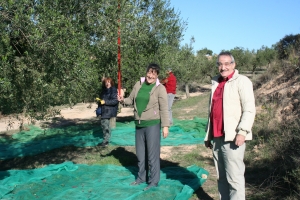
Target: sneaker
column 149, row 187
column 103, row 144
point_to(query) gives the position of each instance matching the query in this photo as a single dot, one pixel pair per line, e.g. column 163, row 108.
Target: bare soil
column 284, row 91
column 79, row 112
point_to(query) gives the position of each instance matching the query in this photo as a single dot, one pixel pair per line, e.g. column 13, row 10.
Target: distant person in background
column 231, row 116
column 150, row 101
column 109, row 108
column 170, row 83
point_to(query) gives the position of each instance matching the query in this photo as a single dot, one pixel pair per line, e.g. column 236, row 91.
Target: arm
column 209, row 133
column 113, row 100
column 248, row 105
column 129, row 100
column 163, row 110
column 248, row 111
column 207, row 139
column 164, row 81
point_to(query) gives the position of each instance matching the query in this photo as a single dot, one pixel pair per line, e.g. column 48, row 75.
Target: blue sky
column 250, row 24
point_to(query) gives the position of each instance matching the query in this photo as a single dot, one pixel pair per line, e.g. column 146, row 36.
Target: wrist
column 242, row 132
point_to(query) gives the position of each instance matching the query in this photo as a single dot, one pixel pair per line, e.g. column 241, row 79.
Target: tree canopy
column 57, row 52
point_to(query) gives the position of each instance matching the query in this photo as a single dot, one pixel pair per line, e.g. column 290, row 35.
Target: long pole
column 119, row 51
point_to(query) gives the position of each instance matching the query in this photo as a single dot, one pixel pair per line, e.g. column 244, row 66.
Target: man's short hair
column 226, row 53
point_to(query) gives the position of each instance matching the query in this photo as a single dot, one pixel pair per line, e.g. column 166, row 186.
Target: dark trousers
column 147, row 144
column 106, row 129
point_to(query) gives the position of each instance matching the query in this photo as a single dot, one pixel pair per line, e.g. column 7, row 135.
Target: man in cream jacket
column 231, row 116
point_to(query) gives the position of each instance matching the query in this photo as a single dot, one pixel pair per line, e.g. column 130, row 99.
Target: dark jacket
column 110, row 108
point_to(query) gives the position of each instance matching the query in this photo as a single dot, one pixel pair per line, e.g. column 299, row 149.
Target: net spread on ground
column 79, row 181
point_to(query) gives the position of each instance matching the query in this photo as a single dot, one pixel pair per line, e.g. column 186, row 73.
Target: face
column 151, row 76
column 107, row 84
column 226, row 67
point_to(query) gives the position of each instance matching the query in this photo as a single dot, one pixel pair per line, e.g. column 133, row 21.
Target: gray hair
column 226, row 53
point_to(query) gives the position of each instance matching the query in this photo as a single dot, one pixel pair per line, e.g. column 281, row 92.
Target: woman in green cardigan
column 150, row 101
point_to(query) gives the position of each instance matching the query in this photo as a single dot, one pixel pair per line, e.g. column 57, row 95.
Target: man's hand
column 164, row 81
column 208, row 144
column 165, row 131
column 239, row 140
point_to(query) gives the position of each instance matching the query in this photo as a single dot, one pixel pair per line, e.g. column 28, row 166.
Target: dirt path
column 81, row 111
column 78, row 112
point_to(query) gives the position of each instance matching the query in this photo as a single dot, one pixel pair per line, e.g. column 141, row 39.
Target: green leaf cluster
column 57, row 52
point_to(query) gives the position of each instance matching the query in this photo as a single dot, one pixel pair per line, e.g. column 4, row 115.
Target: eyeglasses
column 219, row 64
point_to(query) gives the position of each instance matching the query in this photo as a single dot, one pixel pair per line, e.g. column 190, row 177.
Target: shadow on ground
column 127, row 158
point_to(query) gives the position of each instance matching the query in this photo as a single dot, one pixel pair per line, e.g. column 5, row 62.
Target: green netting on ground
column 70, row 181
column 37, row 140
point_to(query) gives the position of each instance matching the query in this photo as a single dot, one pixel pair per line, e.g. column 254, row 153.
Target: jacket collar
column 235, row 75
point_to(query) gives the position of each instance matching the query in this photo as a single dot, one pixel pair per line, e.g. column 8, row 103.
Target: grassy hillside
column 273, row 156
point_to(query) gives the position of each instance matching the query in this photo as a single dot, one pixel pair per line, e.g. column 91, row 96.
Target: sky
column 250, row 24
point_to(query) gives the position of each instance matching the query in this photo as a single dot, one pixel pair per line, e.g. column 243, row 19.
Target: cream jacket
column 157, row 108
column 238, row 107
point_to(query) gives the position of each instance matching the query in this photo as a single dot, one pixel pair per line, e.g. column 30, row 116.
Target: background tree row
column 56, row 52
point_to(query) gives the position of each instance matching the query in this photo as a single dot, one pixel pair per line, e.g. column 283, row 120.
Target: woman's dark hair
column 154, row 67
column 108, row 79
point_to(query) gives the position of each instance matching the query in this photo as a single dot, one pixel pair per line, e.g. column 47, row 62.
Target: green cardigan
column 157, row 107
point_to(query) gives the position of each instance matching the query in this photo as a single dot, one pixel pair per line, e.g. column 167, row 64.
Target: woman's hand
column 120, row 98
column 165, row 131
